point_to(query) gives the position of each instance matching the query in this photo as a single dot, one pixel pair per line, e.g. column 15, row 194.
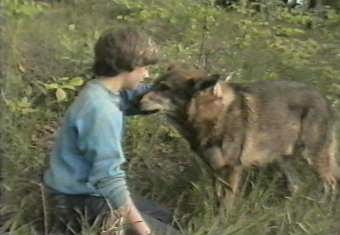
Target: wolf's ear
column 218, row 90
column 205, row 83
column 191, row 110
column 214, row 77
column 190, row 83
column 171, row 67
column 225, row 91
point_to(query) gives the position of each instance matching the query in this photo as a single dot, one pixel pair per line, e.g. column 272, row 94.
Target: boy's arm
column 131, row 98
column 100, row 142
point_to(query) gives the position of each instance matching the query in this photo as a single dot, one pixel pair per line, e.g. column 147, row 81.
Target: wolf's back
column 281, row 115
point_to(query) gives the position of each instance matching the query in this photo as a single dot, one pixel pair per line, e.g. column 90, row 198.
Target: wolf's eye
column 163, row 87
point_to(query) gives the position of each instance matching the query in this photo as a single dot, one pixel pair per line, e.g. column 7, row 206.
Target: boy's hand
column 141, row 228
column 134, row 218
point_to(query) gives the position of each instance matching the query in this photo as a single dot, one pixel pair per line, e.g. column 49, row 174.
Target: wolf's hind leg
column 292, row 177
column 326, row 164
column 318, row 136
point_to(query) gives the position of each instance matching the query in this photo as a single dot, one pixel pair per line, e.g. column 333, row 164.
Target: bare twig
column 44, row 207
column 202, row 56
column 115, row 221
column 43, row 198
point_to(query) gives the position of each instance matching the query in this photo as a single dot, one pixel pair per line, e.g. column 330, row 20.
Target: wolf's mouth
column 150, row 107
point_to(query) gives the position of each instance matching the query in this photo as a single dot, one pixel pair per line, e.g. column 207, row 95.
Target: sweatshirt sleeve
column 131, row 98
column 99, row 140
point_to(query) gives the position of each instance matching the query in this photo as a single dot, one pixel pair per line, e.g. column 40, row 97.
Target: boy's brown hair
column 123, row 50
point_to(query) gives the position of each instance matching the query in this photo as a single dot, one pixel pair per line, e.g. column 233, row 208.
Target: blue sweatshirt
column 88, row 154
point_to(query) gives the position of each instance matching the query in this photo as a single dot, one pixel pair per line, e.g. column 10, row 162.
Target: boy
column 85, row 165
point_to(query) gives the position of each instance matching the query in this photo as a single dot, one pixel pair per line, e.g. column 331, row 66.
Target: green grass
column 43, row 43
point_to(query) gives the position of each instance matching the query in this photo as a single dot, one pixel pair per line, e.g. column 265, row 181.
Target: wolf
column 234, row 126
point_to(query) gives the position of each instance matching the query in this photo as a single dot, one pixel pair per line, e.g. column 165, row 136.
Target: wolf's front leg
column 227, row 178
column 214, row 157
column 234, row 179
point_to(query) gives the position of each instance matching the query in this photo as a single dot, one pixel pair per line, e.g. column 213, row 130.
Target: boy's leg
column 65, row 211
column 158, row 218
column 68, row 210
column 152, row 209
column 157, row 227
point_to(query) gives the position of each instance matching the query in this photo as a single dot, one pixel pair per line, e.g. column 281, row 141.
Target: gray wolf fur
column 237, row 126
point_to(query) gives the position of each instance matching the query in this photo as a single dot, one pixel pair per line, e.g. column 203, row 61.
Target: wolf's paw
column 293, row 188
column 330, row 187
column 330, row 181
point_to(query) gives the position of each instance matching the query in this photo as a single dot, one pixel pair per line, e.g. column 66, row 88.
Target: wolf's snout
column 149, row 102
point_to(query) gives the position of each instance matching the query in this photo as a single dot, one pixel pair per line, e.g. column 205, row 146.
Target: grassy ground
column 47, row 53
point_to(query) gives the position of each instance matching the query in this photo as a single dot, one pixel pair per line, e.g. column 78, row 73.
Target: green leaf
column 71, row 27
column 60, row 94
column 77, row 81
column 64, row 78
column 68, row 87
column 51, row 86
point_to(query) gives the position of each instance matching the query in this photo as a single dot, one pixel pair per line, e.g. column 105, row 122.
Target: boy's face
column 135, row 77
